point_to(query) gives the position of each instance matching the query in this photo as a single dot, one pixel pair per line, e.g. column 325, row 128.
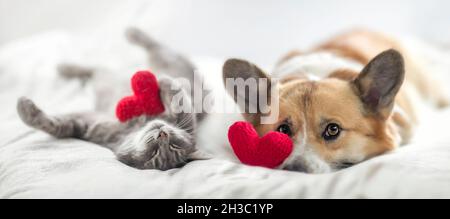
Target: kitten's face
column 160, row 145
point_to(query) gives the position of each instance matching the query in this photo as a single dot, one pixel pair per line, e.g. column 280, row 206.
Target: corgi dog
column 344, row 102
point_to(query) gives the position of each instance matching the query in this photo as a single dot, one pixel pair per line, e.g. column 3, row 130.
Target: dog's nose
column 163, row 135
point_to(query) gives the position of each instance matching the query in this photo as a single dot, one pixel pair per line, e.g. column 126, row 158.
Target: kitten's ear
column 380, row 81
column 199, row 155
column 247, row 84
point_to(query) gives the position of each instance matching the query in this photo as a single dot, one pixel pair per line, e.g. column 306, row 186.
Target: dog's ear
column 380, row 81
column 249, row 86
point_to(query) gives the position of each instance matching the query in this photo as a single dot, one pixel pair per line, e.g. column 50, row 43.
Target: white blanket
column 34, row 165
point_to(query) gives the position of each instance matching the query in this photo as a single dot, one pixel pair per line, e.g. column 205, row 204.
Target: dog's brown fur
column 368, row 130
column 364, row 45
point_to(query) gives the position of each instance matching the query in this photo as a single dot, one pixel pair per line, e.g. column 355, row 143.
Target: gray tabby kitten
column 161, row 142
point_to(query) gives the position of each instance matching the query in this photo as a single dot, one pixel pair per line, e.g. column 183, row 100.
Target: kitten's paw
column 171, row 94
column 171, row 87
column 134, row 35
column 138, row 37
column 166, row 83
column 28, row 111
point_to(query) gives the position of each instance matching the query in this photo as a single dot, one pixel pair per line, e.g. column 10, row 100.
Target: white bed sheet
column 34, row 165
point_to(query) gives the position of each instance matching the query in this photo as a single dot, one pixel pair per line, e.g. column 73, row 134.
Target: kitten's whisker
column 187, row 126
column 184, row 125
column 184, row 121
column 184, row 118
column 188, row 119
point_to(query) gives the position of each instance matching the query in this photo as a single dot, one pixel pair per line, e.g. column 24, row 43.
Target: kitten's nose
column 163, row 135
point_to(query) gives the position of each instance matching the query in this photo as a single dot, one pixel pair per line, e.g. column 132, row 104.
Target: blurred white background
column 260, row 30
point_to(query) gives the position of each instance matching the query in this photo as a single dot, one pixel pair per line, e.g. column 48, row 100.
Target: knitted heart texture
column 145, row 101
column 269, row 151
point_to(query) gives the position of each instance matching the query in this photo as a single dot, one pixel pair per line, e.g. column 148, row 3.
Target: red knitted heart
column 145, row 101
column 269, row 151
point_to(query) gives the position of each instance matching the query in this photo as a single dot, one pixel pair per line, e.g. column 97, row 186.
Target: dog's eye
column 285, row 129
column 332, row 132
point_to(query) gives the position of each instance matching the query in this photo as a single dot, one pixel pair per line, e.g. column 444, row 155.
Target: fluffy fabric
column 145, row 101
column 269, row 151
